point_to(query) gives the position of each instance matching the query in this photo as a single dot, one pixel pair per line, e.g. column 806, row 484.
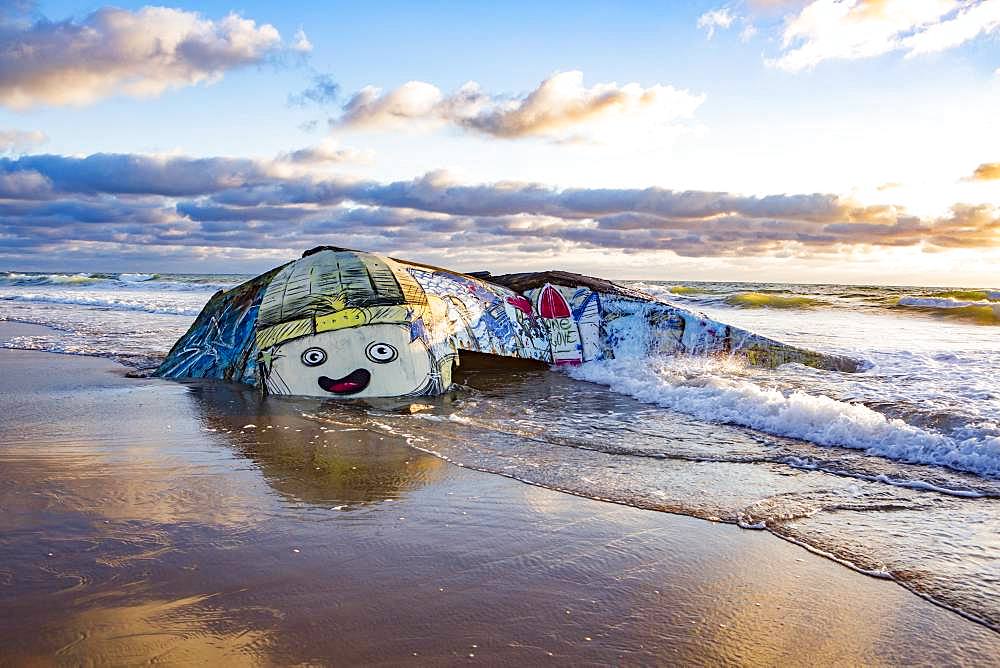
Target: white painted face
column 367, row 361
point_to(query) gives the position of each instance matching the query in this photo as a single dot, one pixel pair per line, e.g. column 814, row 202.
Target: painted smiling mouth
column 352, row 383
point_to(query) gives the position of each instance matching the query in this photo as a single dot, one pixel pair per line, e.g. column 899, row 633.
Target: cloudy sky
column 818, row 141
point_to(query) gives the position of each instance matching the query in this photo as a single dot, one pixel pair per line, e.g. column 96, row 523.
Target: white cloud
column 561, row 108
column 116, row 51
column 17, row 141
column 967, row 24
column 326, row 152
column 300, row 42
column 717, row 18
column 414, row 101
column 856, row 29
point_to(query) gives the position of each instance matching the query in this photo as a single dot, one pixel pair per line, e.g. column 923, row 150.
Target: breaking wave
column 684, row 290
column 973, row 305
column 14, row 278
column 768, row 300
column 733, row 294
column 136, row 278
column 705, row 296
column 969, row 295
column 138, row 281
column 111, row 303
column 983, row 312
column 673, row 383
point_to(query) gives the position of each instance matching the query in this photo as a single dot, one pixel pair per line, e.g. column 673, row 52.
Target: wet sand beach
column 143, row 520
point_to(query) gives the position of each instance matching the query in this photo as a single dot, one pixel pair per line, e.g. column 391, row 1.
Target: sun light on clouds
column 856, row 29
column 988, row 171
column 116, row 51
column 230, row 202
column 568, row 171
column 561, row 108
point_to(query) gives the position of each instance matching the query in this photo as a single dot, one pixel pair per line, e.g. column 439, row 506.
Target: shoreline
column 10, row 328
column 185, row 535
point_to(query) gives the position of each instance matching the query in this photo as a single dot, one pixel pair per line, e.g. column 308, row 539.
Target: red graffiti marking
column 521, row 304
column 552, row 304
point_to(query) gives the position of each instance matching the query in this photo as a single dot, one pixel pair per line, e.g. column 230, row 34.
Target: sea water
column 894, row 471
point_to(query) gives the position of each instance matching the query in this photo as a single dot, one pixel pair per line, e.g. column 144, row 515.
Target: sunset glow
column 825, row 141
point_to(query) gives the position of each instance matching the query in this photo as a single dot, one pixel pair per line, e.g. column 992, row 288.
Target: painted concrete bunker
column 339, row 323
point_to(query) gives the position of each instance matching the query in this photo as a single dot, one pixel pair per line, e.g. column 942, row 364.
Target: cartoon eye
column 313, row 356
column 381, row 353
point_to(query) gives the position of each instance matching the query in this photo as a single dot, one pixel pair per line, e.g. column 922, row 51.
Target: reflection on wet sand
column 577, row 437
column 340, row 461
column 188, row 630
column 142, row 521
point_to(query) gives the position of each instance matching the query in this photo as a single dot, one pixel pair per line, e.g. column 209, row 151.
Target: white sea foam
column 48, row 279
column 124, row 281
column 667, row 382
column 939, row 302
column 136, row 278
column 102, row 301
column 676, row 293
column 181, row 286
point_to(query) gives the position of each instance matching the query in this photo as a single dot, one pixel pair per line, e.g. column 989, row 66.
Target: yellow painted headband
column 342, row 319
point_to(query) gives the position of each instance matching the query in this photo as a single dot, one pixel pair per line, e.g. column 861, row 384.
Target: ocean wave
column 684, row 293
column 119, row 281
column 14, row 278
column 762, row 298
column 684, row 290
column 969, row 295
column 983, row 312
column 137, row 278
column 935, row 302
column 112, row 303
column 671, row 383
column 771, row 300
column 182, row 286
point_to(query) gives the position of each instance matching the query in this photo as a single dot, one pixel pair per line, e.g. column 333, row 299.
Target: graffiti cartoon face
column 367, row 361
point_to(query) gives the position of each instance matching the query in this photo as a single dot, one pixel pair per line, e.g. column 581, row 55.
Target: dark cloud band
column 227, row 203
